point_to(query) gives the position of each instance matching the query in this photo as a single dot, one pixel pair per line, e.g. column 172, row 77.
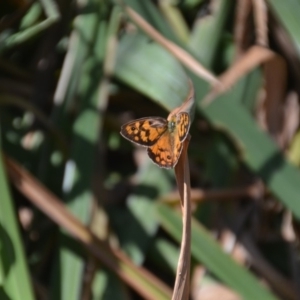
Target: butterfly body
column 162, row 137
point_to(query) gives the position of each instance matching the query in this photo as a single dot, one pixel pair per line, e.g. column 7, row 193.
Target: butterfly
column 162, row 137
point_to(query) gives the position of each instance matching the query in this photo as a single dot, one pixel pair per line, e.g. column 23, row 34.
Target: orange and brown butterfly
column 162, row 137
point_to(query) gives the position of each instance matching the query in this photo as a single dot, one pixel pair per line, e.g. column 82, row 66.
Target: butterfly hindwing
column 166, row 151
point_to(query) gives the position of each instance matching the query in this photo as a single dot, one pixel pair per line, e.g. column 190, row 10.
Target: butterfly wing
column 165, row 153
column 144, row 131
column 183, row 125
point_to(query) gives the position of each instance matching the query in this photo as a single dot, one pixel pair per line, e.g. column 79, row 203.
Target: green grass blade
column 150, row 13
column 15, row 281
column 52, row 16
column 176, row 20
column 288, row 13
column 206, row 33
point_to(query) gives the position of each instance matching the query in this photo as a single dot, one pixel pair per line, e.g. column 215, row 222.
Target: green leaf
column 288, row 12
column 15, row 281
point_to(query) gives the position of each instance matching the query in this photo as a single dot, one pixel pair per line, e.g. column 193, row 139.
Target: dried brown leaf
column 261, row 22
column 241, row 28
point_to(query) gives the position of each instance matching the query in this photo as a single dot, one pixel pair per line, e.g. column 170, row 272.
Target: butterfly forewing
column 145, row 131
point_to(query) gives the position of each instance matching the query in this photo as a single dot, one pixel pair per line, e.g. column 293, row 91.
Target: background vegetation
column 75, row 196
